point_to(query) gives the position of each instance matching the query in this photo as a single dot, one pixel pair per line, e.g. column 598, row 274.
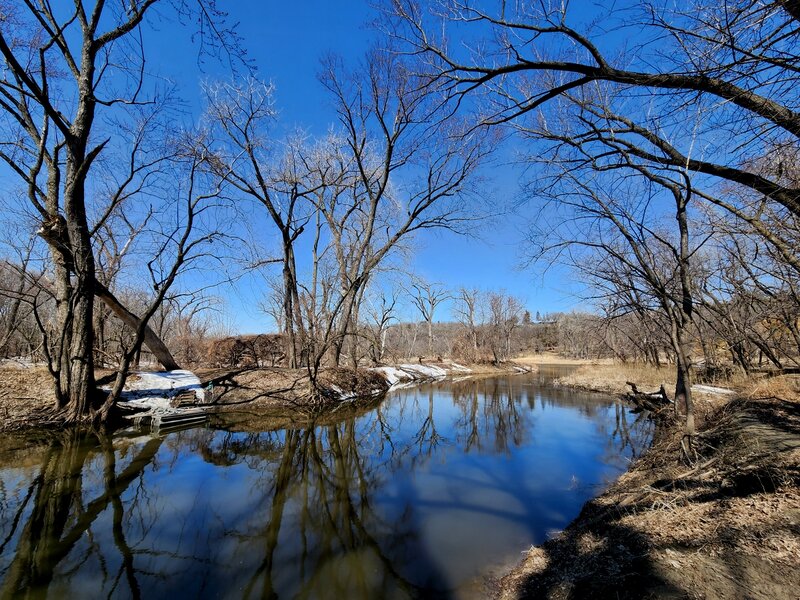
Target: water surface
column 420, row 496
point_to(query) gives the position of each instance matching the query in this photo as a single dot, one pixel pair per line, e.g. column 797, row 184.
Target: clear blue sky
column 286, row 40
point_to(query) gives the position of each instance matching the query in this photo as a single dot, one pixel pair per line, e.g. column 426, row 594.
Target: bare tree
column 62, row 69
column 505, row 316
column 612, row 211
column 467, row 309
column 390, row 134
column 244, row 115
column 182, row 242
column 16, row 296
column 736, row 59
column 389, row 171
column 426, row 297
column 381, row 308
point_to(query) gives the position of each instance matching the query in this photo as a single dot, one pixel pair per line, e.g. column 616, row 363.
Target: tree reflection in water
column 408, row 499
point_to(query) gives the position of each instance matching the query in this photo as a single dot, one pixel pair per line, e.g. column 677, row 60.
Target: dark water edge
column 419, row 496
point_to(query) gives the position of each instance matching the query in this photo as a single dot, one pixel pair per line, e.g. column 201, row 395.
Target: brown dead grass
column 360, row 383
column 26, row 394
column 726, row 527
column 782, row 386
column 551, row 358
column 612, row 378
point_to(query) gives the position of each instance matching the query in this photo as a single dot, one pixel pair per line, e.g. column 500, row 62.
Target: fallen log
column 652, row 401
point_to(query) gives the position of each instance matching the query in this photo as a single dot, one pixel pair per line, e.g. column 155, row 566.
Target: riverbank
column 613, row 378
column 256, row 389
column 726, row 527
column 26, row 395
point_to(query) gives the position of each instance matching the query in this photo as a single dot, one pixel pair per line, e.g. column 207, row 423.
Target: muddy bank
column 727, row 526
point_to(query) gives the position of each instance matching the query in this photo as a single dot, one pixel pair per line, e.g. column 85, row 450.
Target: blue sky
column 286, row 41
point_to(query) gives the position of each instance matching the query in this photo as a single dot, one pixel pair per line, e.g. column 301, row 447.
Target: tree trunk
column 288, row 315
column 151, row 340
column 358, row 297
column 683, row 388
column 383, row 344
column 681, row 323
column 295, row 334
column 80, row 350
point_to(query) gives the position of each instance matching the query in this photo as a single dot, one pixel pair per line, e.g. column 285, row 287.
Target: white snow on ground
column 342, row 394
column 20, row 362
column 708, row 389
column 407, row 374
column 155, row 390
column 393, row 375
column 424, row 370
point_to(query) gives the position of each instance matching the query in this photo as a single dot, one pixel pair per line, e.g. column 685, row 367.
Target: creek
column 424, row 494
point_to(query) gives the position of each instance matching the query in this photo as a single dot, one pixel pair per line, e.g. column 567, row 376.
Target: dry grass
column 336, row 381
column 551, row 358
column 24, row 392
column 262, row 387
column 782, row 386
column 612, row 378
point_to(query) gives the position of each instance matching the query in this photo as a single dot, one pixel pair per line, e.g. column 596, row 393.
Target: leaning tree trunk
column 151, row 340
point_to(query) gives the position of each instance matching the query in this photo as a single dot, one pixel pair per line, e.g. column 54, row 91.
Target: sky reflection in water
column 416, row 497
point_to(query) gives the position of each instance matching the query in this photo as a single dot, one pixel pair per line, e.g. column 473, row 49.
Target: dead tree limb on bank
column 652, row 401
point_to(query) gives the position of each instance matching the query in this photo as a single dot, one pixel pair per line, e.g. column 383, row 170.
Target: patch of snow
column 710, row 389
column 406, row 375
column 393, row 375
column 20, row 362
column 155, row 390
column 341, row 393
column 424, row 370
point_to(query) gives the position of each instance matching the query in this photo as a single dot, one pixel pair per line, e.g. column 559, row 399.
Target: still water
column 422, row 495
